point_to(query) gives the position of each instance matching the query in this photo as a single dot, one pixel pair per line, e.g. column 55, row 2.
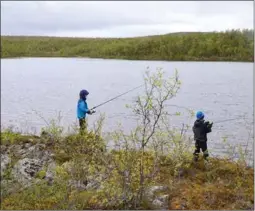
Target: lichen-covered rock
column 152, row 190
column 3, row 149
column 25, row 170
column 16, row 150
column 156, row 200
column 5, row 160
column 161, row 201
column 157, row 204
column 93, row 183
column 78, row 184
column 37, row 151
column 27, row 145
column 51, row 172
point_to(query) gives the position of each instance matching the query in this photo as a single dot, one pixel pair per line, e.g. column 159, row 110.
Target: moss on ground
column 219, row 184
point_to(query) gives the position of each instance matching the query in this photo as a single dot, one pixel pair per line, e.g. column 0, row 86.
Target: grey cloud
column 115, row 18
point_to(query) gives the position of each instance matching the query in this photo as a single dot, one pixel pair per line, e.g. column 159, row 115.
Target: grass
column 231, row 45
column 219, row 184
column 9, row 138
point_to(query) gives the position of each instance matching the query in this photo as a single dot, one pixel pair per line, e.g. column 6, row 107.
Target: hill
column 234, row 45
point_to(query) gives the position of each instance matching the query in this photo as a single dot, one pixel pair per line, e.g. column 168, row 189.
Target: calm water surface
column 34, row 87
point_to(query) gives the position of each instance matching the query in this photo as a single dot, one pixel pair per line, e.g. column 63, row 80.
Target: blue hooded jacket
column 82, row 109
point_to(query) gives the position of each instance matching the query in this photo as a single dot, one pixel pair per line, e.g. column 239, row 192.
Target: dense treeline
column 234, row 45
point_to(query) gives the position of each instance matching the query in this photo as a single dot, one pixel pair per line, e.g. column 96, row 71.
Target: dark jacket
column 200, row 130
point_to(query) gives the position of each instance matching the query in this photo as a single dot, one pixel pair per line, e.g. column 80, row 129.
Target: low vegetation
column 149, row 168
column 234, row 45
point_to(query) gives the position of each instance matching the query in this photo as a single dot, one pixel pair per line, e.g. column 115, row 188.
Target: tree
column 136, row 156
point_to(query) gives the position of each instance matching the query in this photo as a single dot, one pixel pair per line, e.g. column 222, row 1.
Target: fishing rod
column 116, row 97
column 226, row 120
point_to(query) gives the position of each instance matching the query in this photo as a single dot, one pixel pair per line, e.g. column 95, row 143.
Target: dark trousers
column 83, row 125
column 203, row 146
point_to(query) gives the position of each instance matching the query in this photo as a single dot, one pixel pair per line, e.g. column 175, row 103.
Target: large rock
column 5, row 160
column 37, row 151
column 26, row 169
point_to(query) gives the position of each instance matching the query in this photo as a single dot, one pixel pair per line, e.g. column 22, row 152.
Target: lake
column 34, row 87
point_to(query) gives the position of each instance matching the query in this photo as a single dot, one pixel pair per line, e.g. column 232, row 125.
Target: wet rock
column 5, row 160
column 26, row 169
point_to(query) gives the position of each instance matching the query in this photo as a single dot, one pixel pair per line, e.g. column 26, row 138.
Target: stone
column 51, row 172
column 156, row 200
column 157, row 203
column 77, row 184
column 26, row 169
column 152, row 190
column 5, row 160
column 3, row 149
column 35, row 152
column 163, row 198
column 27, row 145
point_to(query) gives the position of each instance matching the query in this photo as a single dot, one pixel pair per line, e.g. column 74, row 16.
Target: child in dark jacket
column 200, row 130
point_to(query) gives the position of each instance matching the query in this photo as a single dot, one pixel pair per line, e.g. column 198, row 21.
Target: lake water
column 31, row 87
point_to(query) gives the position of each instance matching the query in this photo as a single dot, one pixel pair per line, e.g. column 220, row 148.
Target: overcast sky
column 122, row 19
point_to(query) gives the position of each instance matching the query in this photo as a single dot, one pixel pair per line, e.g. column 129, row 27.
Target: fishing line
column 117, row 97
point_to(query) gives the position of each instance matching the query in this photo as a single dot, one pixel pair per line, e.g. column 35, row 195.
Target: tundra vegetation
column 232, row 45
column 151, row 167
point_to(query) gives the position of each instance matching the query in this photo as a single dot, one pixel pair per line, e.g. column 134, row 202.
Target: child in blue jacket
column 82, row 110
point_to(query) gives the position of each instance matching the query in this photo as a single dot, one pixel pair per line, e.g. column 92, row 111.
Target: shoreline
column 120, row 59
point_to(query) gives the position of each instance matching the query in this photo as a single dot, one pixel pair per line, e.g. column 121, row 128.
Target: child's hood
column 199, row 122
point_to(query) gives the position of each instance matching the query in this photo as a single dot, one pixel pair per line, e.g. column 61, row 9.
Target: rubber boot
column 195, row 158
column 205, row 155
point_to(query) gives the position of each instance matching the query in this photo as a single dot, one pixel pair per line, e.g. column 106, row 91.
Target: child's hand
column 91, row 112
